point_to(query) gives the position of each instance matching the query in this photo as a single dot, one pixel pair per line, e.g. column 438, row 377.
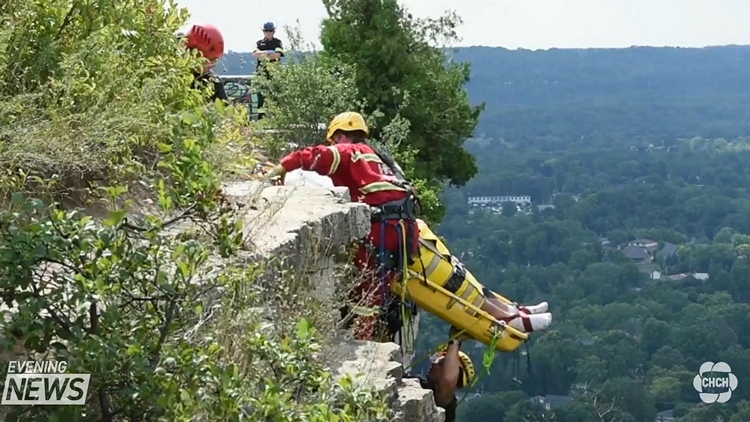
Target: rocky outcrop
column 379, row 365
column 306, row 225
column 298, row 229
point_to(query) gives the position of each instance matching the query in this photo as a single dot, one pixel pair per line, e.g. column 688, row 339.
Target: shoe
column 528, row 323
column 534, row 309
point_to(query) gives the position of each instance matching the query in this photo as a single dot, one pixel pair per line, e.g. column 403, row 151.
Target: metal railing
column 239, row 90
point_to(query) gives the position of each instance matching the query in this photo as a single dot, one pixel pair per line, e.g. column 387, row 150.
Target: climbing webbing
column 407, row 333
column 405, row 330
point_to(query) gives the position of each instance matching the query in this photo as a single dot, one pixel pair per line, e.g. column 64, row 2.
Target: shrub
column 95, row 91
column 392, row 49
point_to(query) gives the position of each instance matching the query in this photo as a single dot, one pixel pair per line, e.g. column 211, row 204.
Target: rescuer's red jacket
column 355, row 166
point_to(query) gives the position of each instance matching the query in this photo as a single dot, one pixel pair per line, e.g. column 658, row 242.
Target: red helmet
column 207, row 39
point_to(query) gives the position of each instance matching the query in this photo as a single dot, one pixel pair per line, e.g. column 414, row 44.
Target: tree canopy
column 630, row 330
column 402, row 70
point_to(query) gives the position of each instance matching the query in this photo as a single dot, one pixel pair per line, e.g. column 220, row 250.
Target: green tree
column 486, row 407
column 308, row 91
column 509, row 209
column 742, row 412
column 402, row 69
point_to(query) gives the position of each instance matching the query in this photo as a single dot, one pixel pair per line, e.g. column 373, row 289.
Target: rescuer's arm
column 258, row 53
column 278, row 52
column 451, row 370
column 219, row 92
column 322, row 159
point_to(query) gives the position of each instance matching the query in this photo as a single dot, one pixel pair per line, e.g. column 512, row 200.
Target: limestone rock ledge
column 300, row 229
column 308, row 223
column 379, row 365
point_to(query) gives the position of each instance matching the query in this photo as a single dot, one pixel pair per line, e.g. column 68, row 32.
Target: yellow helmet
column 468, row 373
column 347, row 121
column 467, row 370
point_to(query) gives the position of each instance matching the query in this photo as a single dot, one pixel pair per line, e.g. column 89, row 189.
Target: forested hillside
column 637, row 164
column 604, row 95
column 601, row 95
column 633, row 328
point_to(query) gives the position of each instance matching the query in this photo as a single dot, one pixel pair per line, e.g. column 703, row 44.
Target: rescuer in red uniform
column 373, row 178
column 208, row 40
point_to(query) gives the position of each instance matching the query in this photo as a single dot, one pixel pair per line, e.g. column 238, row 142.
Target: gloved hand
column 276, row 176
column 453, row 333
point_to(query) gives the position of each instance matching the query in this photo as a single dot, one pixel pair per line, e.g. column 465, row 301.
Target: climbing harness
column 401, row 179
column 399, row 212
column 398, row 321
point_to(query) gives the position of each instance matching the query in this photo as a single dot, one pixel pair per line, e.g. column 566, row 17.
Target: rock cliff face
column 309, row 222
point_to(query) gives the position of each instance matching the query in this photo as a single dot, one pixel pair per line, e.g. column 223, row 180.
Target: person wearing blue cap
column 267, row 49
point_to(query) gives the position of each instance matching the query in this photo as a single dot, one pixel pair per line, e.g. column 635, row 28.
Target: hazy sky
column 531, row 24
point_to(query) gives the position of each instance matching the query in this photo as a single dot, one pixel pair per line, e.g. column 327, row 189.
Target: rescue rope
column 487, row 360
column 407, row 336
column 382, row 269
column 433, row 351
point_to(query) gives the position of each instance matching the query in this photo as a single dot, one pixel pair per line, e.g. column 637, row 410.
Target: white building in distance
column 498, row 200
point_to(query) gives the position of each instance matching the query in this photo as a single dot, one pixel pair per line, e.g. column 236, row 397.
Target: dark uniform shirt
column 274, row 44
column 450, row 408
column 211, row 78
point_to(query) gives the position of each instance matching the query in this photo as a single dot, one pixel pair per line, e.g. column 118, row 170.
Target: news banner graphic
column 43, row 383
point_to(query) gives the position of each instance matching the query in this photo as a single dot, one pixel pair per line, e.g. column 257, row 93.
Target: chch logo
column 715, row 382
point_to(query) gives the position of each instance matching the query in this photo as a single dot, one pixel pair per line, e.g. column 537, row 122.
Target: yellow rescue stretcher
column 434, row 270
